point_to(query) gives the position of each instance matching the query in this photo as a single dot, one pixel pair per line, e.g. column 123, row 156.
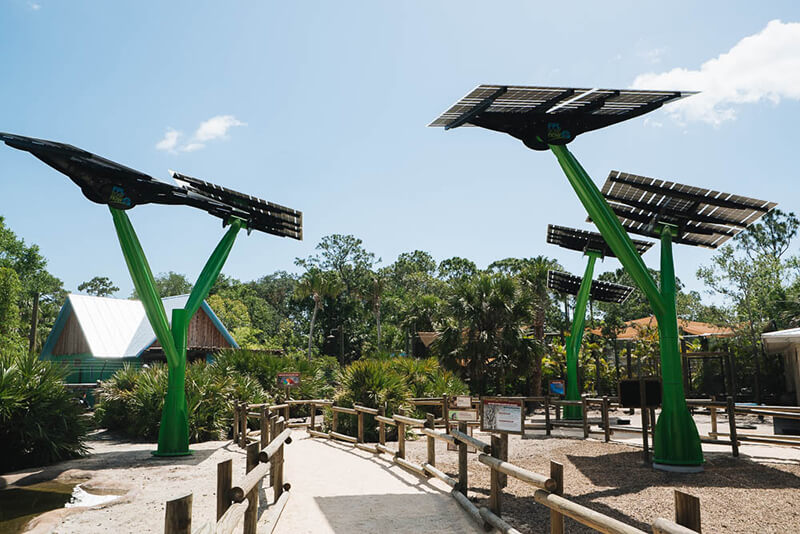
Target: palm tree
column 488, row 312
column 318, row 285
column 534, row 277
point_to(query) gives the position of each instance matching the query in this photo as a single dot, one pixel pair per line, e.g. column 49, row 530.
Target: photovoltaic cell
column 106, row 182
column 701, row 217
column 542, row 116
column 600, row 291
column 583, row 240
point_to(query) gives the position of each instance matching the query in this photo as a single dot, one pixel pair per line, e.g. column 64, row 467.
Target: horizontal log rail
column 535, row 479
column 365, row 409
column 386, row 420
column 469, row 440
column 342, row 409
column 408, row 420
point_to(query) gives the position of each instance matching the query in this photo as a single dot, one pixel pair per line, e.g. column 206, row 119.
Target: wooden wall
column 71, row 340
column 202, row 333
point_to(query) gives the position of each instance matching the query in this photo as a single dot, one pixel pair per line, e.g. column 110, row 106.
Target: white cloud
column 761, row 67
column 216, row 127
column 653, row 55
column 170, row 140
column 649, row 121
column 34, row 6
column 209, row 130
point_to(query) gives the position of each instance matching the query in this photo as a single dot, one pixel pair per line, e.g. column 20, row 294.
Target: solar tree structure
column 122, row 188
column 593, row 246
column 548, row 118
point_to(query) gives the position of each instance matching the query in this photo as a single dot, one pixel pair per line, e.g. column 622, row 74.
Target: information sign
column 464, row 402
column 288, row 380
column 557, row 387
column 502, row 415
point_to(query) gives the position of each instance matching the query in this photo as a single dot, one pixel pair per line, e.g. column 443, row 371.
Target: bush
column 40, row 421
column 317, row 377
column 132, row 399
column 391, row 382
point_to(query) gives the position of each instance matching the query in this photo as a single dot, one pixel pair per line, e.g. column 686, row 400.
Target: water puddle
column 20, row 505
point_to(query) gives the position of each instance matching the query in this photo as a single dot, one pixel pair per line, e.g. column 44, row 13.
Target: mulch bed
column 736, row 495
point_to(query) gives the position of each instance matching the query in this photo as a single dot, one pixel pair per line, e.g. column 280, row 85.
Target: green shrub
column 132, row 399
column 40, row 421
column 317, row 377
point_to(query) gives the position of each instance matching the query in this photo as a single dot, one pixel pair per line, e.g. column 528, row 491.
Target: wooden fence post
column 732, row 425
column 313, row 425
column 243, row 422
column 236, row 422
column 445, row 414
column 178, row 517
column 401, row 440
column 360, row 427
column 277, row 464
column 503, row 455
column 382, row 426
column 264, row 427
column 462, row 460
column 547, row 415
column 585, row 410
column 687, row 510
column 606, row 430
column 556, row 519
column 335, row 421
column 286, row 411
column 495, row 483
column 224, row 483
column 273, row 431
column 251, row 514
column 431, row 441
column 643, row 405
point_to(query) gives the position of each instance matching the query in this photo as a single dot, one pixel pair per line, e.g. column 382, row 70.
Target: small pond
column 18, row 505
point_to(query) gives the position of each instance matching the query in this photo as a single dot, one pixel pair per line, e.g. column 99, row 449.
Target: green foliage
column 169, row 285
column 40, row 421
column 99, row 286
column 10, row 288
column 131, row 401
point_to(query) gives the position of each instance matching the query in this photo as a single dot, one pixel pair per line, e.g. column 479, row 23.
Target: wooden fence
column 549, row 490
column 239, row 504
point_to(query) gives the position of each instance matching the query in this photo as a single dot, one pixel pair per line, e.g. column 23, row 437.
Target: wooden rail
column 239, row 504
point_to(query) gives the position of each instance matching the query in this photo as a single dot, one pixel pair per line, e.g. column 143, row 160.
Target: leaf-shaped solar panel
column 583, row 240
column 601, row 291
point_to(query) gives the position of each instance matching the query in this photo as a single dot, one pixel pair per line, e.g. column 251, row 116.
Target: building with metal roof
column 96, row 336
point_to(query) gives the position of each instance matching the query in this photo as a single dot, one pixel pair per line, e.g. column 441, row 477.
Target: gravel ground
column 736, row 495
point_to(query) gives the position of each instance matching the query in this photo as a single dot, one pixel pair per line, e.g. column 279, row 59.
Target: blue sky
column 322, row 106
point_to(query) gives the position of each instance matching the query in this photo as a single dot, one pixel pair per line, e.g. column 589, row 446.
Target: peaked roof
column 118, row 328
column 691, row 328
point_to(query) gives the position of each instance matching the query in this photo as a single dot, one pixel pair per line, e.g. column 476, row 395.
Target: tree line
column 500, row 328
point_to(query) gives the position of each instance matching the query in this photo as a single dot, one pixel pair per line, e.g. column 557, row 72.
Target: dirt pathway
column 341, row 490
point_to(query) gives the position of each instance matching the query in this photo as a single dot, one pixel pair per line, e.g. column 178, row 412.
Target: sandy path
column 338, row 489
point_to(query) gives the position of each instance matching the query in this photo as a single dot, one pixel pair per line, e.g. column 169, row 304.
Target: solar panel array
column 106, row 182
column 701, row 217
column 601, row 291
column 583, row 240
column 550, row 115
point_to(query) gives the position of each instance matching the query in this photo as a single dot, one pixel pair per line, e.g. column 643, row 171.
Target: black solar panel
column 583, row 240
column 701, row 217
column 602, row 291
column 259, row 214
column 542, row 116
column 106, row 182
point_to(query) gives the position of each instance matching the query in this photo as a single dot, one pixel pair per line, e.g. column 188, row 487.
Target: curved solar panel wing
column 542, row 116
column 583, row 240
column 101, row 180
column 600, row 291
column 701, row 217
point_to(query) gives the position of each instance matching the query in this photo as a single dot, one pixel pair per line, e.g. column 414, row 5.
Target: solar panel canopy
column 600, row 291
column 543, row 116
column 106, row 182
column 583, row 240
column 700, row 217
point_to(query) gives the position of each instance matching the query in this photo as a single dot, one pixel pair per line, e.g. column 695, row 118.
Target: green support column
column 576, row 338
column 677, row 442
column 173, row 434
